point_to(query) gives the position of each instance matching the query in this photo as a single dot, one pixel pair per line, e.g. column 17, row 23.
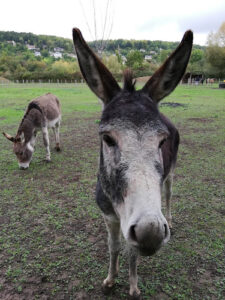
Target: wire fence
column 72, row 83
column 41, row 83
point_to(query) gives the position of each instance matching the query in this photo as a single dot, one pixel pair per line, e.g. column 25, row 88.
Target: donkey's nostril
column 166, row 230
column 133, row 233
column 23, row 168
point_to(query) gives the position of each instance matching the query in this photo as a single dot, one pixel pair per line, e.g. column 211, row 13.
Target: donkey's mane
column 30, row 106
column 128, row 81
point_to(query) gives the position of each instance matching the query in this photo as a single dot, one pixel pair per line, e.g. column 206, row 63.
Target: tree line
column 18, row 62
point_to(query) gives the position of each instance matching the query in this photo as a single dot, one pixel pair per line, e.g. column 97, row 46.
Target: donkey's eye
column 18, row 153
column 109, row 140
column 161, row 143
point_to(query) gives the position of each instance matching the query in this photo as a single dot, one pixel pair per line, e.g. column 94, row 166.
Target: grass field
column 53, row 242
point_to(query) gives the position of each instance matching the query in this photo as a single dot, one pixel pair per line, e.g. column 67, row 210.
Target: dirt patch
column 173, row 104
column 201, row 120
column 188, row 143
column 143, row 79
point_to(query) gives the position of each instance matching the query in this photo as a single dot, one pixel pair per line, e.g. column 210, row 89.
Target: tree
column 63, row 69
column 45, row 53
column 134, row 60
column 35, row 66
column 164, row 54
column 197, row 62
column 102, row 22
column 196, row 56
column 112, row 64
column 215, row 51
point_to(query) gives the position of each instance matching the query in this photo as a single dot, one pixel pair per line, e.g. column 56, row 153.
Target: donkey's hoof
column 135, row 296
column 57, row 148
column 107, row 286
column 107, row 289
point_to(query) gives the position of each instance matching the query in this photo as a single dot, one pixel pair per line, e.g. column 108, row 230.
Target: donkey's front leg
column 113, row 227
column 56, row 133
column 133, row 278
column 33, row 139
column 46, row 143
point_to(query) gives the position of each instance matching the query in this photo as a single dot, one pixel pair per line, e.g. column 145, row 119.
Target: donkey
column 41, row 113
column 138, row 151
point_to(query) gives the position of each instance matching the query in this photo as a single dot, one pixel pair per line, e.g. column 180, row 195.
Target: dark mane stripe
column 129, row 82
column 33, row 105
column 30, row 106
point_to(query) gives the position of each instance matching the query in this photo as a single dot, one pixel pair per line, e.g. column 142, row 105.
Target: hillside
column 18, row 42
column 26, row 56
column 14, row 42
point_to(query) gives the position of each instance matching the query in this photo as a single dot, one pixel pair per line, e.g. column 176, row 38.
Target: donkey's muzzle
column 23, row 168
column 149, row 235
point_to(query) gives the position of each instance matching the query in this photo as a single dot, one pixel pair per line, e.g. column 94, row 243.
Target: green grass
column 53, row 241
column 14, row 100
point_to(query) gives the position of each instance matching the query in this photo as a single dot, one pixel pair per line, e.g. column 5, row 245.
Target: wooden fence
column 41, row 83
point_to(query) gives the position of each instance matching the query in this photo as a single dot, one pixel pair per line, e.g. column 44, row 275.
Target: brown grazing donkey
column 41, row 113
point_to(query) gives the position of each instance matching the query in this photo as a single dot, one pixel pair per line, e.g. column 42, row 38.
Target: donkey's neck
column 30, row 121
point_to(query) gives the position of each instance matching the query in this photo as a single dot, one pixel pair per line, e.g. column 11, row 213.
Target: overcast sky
column 141, row 19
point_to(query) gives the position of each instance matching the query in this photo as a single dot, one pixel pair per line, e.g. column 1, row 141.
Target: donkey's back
column 49, row 105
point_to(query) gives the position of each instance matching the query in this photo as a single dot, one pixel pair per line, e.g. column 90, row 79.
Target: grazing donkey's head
column 22, row 149
column 132, row 132
column 24, row 140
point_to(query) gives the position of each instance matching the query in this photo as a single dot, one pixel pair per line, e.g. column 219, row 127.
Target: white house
column 56, row 54
column 148, row 57
column 32, row 47
column 71, row 55
column 37, row 53
column 124, row 59
column 12, row 43
column 58, row 49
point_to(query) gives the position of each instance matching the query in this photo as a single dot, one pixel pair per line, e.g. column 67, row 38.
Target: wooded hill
column 25, row 56
column 16, row 42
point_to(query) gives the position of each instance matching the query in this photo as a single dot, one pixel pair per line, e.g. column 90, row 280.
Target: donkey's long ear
column 9, row 137
column 166, row 78
column 97, row 76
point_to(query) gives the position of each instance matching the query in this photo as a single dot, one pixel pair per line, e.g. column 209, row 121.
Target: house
column 99, row 52
column 124, row 59
column 58, row 49
column 56, row 54
column 71, row 55
column 148, row 57
column 12, row 43
column 142, row 50
column 32, row 47
column 37, row 53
